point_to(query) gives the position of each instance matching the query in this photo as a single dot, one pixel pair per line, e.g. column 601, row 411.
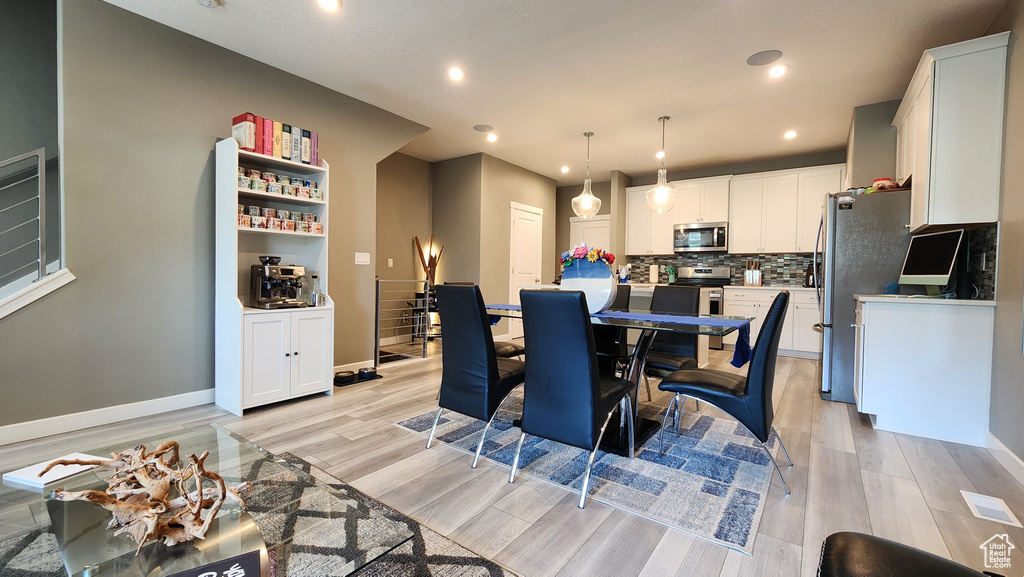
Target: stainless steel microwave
column 701, row 237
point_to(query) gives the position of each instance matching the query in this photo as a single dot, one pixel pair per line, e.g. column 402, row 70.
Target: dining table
column 650, row 324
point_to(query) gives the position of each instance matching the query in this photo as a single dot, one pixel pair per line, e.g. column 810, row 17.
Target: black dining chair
column 503, row 349
column 672, row 351
column 748, row 399
column 612, row 349
column 474, row 380
column 566, row 399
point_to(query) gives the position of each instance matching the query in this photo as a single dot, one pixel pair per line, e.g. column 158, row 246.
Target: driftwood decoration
column 151, row 498
column 428, row 259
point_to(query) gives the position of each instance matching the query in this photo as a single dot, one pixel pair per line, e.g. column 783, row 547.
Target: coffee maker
column 276, row 287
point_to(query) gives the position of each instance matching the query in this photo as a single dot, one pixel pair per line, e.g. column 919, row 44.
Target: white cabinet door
column 687, row 208
column 805, row 338
column 662, row 231
column 858, row 359
column 638, row 223
column 714, row 201
column 921, row 126
column 310, row 366
column 779, row 207
column 742, row 309
column 745, row 215
column 593, row 232
column 813, row 188
column 788, row 326
column 266, row 358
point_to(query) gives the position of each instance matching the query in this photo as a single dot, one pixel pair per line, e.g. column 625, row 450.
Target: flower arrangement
column 582, row 252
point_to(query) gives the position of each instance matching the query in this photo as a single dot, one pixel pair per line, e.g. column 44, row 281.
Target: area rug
column 317, row 526
column 711, row 482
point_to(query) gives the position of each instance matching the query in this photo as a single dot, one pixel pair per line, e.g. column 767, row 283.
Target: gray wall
column 832, row 157
column 1008, row 362
column 455, row 219
column 143, row 107
column 871, row 148
column 501, row 183
column 403, row 211
column 563, row 210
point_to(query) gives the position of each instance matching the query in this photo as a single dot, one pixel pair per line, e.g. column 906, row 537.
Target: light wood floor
column 846, row 477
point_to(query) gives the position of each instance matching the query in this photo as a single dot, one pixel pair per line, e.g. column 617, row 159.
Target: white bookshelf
column 255, row 356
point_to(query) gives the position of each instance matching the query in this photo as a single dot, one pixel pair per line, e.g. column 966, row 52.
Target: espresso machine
column 272, row 286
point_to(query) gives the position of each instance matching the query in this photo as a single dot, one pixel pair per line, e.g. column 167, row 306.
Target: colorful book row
column 266, row 136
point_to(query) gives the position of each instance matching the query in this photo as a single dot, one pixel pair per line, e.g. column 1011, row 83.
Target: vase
column 596, row 281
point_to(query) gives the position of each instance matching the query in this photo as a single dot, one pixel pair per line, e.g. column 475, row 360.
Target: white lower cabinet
column 285, row 354
column 798, row 332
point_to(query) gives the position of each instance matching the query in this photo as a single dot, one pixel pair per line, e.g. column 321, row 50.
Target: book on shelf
column 259, row 135
column 268, row 137
column 276, row 148
column 28, row 477
column 305, row 147
column 243, row 130
column 286, row 141
column 296, row 144
column 314, row 153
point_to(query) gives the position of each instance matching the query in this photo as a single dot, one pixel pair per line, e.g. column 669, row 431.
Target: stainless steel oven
column 701, row 237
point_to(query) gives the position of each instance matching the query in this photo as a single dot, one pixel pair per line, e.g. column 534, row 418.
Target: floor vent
column 990, row 508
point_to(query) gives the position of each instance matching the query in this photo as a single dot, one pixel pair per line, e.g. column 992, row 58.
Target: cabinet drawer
column 750, row 295
column 803, row 297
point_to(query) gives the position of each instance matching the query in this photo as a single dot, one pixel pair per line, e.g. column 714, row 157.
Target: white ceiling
column 542, row 71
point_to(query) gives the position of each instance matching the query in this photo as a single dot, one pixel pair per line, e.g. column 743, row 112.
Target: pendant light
column 586, row 204
column 662, row 197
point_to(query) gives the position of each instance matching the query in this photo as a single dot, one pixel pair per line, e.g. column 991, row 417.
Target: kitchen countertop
column 770, row 287
column 906, row 299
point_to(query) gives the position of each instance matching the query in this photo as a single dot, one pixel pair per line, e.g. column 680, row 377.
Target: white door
column 638, row 223
column 310, row 370
column 594, row 232
column 266, row 358
column 714, row 201
column 779, row 209
column 745, row 215
column 525, row 259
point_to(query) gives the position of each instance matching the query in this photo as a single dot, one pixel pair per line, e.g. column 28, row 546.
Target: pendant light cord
column 588, row 135
column 663, row 119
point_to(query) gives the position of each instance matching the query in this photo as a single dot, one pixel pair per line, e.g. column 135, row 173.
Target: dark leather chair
column 566, row 399
column 474, row 381
column 503, row 349
column 747, row 399
column 610, row 342
column 673, row 351
column 858, row 555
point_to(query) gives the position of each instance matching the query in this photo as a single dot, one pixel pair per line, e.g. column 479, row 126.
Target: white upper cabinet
column 638, row 222
column 714, row 200
column 745, row 215
column 950, row 133
column 687, row 208
column 814, row 185
column 779, row 208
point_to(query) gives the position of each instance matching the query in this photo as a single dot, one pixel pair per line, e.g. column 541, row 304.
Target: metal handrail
column 420, row 313
column 40, row 175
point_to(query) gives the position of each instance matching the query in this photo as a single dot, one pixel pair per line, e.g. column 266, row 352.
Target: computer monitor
column 931, row 258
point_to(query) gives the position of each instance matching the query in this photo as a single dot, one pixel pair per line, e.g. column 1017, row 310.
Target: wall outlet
column 363, row 258
column 391, row 263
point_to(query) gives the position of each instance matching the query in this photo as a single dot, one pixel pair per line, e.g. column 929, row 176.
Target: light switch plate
column 391, row 263
column 362, row 258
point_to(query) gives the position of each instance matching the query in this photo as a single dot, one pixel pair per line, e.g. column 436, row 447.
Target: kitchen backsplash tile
column 776, row 269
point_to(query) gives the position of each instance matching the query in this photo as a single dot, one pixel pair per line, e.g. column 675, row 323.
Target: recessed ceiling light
column 456, row 73
column 330, row 5
column 660, row 154
column 764, row 57
column 492, row 137
column 778, row 71
column 565, row 170
column 483, row 128
column 789, row 135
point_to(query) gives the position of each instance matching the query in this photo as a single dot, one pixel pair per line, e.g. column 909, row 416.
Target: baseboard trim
column 399, row 340
column 85, row 419
column 353, row 366
column 1010, row 461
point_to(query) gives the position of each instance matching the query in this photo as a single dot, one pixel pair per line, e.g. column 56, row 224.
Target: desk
column 710, row 325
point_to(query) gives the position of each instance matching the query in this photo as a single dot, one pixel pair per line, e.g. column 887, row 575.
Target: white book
column 28, row 477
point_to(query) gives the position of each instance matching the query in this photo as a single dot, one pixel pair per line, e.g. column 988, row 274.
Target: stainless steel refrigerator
column 865, row 241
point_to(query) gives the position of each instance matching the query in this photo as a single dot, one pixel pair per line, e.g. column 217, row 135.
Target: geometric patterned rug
column 316, row 525
column 711, row 482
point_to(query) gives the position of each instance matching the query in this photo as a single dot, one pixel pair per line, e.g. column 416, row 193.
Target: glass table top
column 663, row 323
column 302, row 518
